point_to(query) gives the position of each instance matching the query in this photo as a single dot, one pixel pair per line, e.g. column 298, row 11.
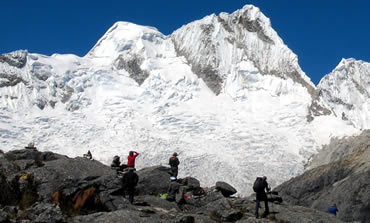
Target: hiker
column 31, row 145
column 116, row 164
column 131, row 159
column 173, row 189
column 174, row 163
column 259, row 187
column 130, row 180
column 333, row 209
column 88, row 155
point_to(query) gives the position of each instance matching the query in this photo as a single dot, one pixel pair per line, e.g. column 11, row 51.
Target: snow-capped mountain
column 347, row 91
column 224, row 92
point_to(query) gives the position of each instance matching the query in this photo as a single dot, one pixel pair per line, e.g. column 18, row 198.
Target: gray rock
column 127, row 216
column 45, row 212
column 153, row 180
column 4, row 218
column 339, row 148
column 344, row 182
column 17, row 58
column 92, row 192
column 226, row 189
column 191, row 182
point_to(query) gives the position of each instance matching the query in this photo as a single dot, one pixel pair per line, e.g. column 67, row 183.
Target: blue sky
column 320, row 32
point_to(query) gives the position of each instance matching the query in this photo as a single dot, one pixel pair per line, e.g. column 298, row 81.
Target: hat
column 173, row 178
column 174, row 154
column 31, row 144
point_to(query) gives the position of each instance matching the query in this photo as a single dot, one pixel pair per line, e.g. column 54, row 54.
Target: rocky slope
column 344, row 182
column 47, row 187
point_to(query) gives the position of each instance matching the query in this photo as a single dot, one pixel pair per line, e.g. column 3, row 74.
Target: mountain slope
column 344, row 182
column 347, row 91
column 231, row 116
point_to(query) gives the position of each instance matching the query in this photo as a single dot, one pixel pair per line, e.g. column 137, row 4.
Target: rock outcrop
column 344, row 182
column 47, row 187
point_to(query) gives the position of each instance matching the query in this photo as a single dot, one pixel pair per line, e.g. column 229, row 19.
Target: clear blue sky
column 320, row 32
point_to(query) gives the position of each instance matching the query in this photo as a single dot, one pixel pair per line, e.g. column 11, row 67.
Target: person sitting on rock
column 174, row 163
column 116, row 164
column 333, row 209
column 129, row 181
column 31, row 145
column 88, row 155
column 131, row 159
column 259, row 187
column 173, row 189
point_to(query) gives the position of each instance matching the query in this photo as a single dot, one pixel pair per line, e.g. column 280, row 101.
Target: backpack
column 258, row 185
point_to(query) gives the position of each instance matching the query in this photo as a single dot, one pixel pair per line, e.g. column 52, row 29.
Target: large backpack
column 258, row 185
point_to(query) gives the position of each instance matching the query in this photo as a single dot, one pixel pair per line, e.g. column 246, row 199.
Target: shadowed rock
column 344, row 182
column 47, row 187
column 226, row 189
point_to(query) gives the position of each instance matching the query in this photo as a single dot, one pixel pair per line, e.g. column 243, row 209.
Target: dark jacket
column 174, row 161
column 130, row 179
column 261, row 195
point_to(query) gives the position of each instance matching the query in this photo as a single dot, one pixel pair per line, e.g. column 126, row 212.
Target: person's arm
column 136, row 154
column 267, row 187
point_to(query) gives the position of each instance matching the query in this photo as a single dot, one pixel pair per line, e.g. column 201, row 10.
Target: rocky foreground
column 344, row 180
column 47, row 187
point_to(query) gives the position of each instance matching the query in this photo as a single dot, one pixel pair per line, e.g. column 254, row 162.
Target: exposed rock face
column 12, row 76
column 132, row 65
column 344, row 182
column 229, row 40
column 339, row 148
column 47, row 187
column 16, row 59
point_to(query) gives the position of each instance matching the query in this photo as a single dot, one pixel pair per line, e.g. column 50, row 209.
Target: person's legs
column 257, row 206
column 174, row 171
column 131, row 195
column 267, row 211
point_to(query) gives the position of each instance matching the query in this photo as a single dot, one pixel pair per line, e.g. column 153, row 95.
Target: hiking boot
column 265, row 214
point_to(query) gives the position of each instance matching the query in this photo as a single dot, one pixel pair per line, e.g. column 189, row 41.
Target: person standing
column 260, row 185
column 131, row 159
column 174, row 163
column 129, row 181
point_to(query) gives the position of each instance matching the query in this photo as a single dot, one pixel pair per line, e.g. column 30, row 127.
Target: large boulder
column 153, row 180
column 226, row 189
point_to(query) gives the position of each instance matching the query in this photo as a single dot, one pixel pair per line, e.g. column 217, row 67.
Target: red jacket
column 131, row 160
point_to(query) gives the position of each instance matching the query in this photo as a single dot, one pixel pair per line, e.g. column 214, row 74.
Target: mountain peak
column 120, row 37
column 347, row 91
